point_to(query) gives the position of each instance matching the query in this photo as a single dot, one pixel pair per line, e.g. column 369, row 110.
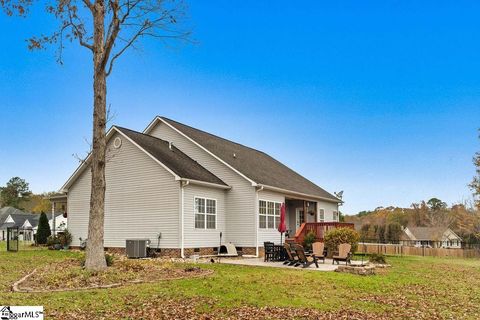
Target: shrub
column 65, row 238
column 338, row 236
column 43, row 231
column 377, row 258
column 309, row 239
column 109, row 259
column 53, row 240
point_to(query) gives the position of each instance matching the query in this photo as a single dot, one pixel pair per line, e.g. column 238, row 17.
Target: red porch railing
column 319, row 228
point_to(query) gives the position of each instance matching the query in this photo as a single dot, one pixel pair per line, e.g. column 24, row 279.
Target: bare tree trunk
column 95, row 258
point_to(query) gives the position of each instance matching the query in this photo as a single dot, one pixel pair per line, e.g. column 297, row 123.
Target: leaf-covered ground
column 414, row 288
column 69, row 274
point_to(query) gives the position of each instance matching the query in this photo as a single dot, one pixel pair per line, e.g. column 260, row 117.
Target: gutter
column 308, row 196
column 203, row 183
column 183, row 184
column 260, row 188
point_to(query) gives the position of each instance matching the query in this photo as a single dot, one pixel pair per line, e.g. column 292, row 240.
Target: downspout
column 256, row 220
column 183, row 184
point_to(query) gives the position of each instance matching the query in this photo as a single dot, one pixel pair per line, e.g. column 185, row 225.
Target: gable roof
column 254, row 164
column 174, row 161
column 177, row 161
column 20, row 218
column 5, row 212
column 429, row 233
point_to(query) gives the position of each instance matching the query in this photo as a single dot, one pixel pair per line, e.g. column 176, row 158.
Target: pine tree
column 475, row 185
column 43, row 231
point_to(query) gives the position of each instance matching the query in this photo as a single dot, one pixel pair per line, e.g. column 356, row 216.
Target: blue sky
column 379, row 99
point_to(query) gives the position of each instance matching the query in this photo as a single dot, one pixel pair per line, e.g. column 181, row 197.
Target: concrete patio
column 259, row 262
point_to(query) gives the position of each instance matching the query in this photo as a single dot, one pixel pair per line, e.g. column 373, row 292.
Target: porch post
column 53, row 218
column 304, row 211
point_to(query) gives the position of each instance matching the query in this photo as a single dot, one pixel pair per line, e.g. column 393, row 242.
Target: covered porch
column 304, row 216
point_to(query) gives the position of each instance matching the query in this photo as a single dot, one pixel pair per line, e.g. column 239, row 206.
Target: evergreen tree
column 394, row 231
column 475, row 185
column 43, row 231
column 14, row 192
column 381, row 233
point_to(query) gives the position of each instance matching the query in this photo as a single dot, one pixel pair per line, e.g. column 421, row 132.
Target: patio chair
column 343, row 254
column 291, row 256
column 303, row 260
column 318, row 249
column 269, row 251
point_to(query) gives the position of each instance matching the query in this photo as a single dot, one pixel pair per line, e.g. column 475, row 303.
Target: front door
column 299, row 217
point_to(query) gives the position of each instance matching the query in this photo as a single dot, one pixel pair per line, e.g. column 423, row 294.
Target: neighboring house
column 60, row 222
column 27, row 223
column 188, row 187
column 434, row 237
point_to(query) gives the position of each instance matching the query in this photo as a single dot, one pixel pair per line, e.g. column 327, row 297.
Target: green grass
column 431, row 287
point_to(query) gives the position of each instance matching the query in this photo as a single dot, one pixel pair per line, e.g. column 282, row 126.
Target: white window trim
column 205, row 214
column 267, row 215
column 335, row 219
column 320, row 219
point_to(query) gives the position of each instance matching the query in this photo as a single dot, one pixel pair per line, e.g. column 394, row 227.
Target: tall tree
column 43, row 231
column 436, row 204
column 16, row 191
column 475, row 185
column 107, row 29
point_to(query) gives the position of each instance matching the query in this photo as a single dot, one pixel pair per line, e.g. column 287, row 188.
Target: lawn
column 415, row 287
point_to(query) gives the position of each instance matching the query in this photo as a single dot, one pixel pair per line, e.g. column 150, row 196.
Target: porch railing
column 319, row 228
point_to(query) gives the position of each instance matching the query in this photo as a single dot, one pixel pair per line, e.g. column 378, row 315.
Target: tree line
column 383, row 223
column 17, row 194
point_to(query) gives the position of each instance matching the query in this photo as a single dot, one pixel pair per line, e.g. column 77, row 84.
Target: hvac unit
column 137, row 248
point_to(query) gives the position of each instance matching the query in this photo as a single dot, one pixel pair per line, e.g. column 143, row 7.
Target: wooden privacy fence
column 401, row 250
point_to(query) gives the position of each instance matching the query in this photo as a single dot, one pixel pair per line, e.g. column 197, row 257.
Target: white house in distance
column 27, row 223
column 190, row 186
column 434, row 237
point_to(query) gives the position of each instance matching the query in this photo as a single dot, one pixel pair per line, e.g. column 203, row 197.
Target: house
column 59, row 202
column 188, row 190
column 27, row 223
column 433, row 237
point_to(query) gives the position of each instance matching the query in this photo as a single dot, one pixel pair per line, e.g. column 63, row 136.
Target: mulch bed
column 69, row 275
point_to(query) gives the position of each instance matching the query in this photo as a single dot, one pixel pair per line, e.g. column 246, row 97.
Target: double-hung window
column 321, row 215
column 205, row 213
column 335, row 216
column 269, row 214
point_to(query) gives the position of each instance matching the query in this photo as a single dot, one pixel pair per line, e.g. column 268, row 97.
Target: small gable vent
column 117, row 143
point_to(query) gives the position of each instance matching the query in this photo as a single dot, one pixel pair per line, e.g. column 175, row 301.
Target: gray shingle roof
column 19, row 217
column 256, row 165
column 6, row 211
column 175, row 160
column 428, row 233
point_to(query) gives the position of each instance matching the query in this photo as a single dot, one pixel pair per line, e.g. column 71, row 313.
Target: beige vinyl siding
column 142, row 199
column 79, row 207
column 240, row 200
column 329, row 207
column 196, row 238
column 270, row 234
